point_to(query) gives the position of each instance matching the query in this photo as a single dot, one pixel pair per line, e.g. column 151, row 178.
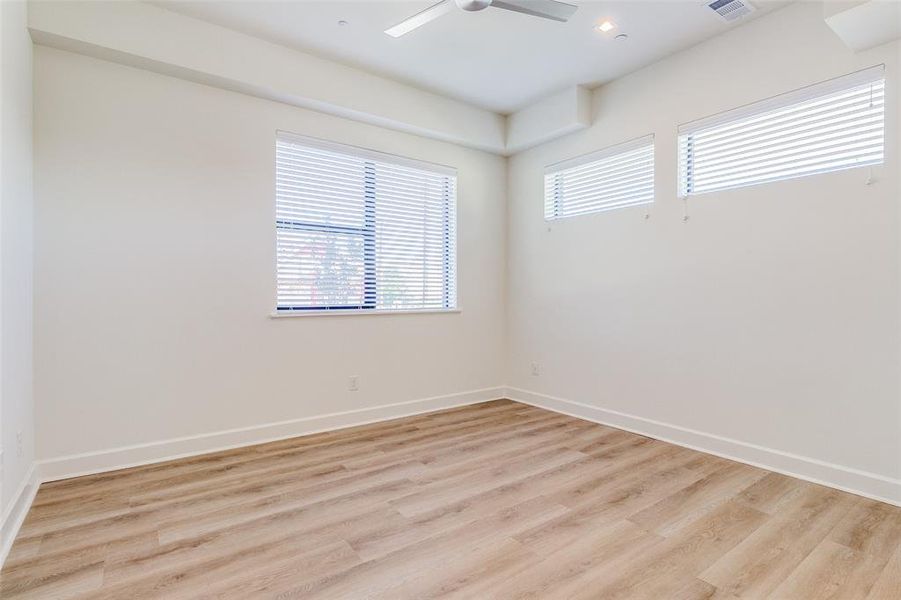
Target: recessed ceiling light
column 621, row 37
column 342, row 23
column 606, row 26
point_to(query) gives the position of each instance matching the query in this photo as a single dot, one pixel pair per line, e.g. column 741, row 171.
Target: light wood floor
column 496, row 500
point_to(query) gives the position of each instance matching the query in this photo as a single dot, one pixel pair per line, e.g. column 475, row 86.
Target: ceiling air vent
column 730, row 10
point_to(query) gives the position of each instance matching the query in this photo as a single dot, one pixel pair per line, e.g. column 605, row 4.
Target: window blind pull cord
column 685, row 209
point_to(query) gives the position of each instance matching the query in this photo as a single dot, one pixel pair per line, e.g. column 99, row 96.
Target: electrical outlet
column 353, row 384
column 19, row 444
column 536, row 370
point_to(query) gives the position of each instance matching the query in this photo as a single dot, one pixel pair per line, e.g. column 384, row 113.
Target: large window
column 359, row 230
column 612, row 178
column 834, row 125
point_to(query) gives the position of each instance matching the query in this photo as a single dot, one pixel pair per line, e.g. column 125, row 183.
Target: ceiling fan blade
column 548, row 9
column 421, row 18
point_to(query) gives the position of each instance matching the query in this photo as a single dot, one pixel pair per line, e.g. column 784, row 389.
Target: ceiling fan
column 547, row 9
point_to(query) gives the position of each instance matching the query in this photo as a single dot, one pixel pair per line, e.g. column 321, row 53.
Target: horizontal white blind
column 360, row 230
column 612, row 178
column 832, row 126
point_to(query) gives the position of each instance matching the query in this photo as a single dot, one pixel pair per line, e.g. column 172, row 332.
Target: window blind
column 362, row 230
column 612, row 178
column 838, row 124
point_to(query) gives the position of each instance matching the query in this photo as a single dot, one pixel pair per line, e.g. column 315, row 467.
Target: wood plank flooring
column 494, row 500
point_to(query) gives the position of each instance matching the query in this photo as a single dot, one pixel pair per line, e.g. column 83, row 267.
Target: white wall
column 153, row 38
column 770, row 318
column 155, row 257
column 767, row 327
column 16, row 401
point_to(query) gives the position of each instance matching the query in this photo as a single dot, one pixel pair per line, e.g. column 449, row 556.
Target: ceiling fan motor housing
column 473, row 4
column 546, row 9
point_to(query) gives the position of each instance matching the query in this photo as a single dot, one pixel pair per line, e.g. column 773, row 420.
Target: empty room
column 475, row 299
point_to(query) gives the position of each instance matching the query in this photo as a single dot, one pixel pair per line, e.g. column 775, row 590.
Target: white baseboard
column 866, row 484
column 862, row 483
column 18, row 508
column 124, row 457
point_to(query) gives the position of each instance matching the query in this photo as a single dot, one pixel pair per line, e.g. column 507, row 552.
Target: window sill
column 286, row 314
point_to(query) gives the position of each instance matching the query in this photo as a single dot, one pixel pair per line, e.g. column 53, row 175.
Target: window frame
column 632, row 145
column 686, row 132
column 368, row 231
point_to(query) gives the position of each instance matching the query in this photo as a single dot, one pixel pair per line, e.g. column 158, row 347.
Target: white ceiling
column 496, row 59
